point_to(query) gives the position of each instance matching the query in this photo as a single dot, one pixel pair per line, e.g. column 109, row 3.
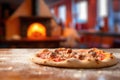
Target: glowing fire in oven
column 36, row 31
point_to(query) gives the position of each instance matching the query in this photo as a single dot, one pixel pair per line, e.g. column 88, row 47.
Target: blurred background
column 59, row 23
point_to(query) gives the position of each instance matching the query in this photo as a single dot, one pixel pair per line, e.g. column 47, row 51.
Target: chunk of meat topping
column 81, row 57
column 69, row 50
column 94, row 54
column 53, row 55
column 57, row 51
column 97, row 61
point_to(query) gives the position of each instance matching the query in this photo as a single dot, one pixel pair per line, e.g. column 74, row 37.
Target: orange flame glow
column 36, row 30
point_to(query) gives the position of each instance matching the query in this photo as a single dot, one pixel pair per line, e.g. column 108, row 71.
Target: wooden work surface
column 15, row 64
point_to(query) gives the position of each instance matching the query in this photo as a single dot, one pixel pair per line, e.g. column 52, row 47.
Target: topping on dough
column 81, row 57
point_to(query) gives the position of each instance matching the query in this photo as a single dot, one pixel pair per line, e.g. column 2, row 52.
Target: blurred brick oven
column 42, row 26
column 29, row 12
column 32, row 19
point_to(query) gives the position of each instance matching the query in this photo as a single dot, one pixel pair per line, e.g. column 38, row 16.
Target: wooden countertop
column 15, row 64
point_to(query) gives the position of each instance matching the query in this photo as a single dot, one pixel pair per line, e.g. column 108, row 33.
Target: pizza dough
column 71, row 58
